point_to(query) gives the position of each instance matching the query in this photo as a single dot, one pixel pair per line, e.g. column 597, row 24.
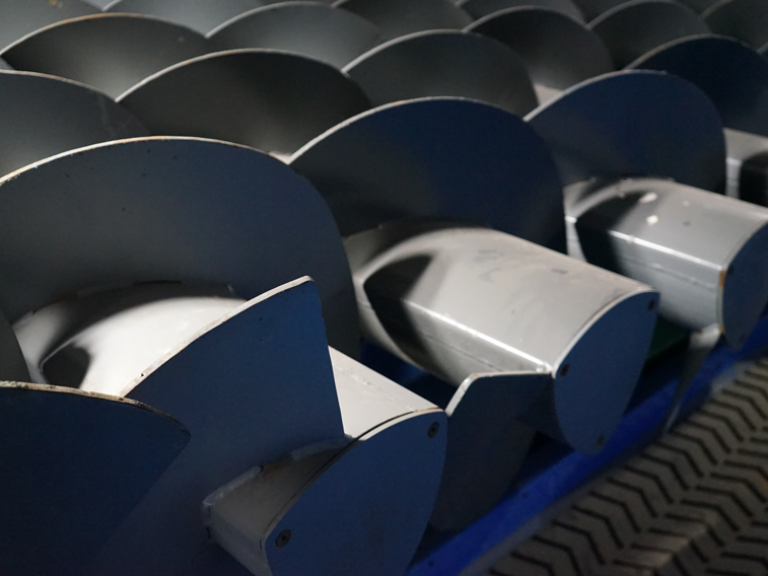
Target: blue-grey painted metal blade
column 18, row 18
column 199, row 15
column 698, row 6
column 445, row 63
column 593, row 8
column 111, row 52
column 487, row 444
column 439, row 158
column 745, row 20
column 394, row 469
column 168, row 209
column 733, row 75
column 558, row 50
column 481, row 8
column 273, row 101
column 636, row 123
column 639, row 26
column 400, row 17
column 253, row 388
column 41, row 116
column 75, row 465
column 312, row 29
column 700, row 344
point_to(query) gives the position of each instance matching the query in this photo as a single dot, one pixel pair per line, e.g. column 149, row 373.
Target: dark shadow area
column 753, row 179
column 387, row 290
column 67, row 366
column 592, row 228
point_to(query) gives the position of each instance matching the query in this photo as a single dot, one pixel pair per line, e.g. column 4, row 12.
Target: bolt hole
column 283, row 538
column 731, row 270
column 432, row 432
column 564, row 370
column 601, row 440
column 651, row 305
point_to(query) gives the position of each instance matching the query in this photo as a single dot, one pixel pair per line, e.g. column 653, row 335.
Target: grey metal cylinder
column 461, row 301
column 703, row 251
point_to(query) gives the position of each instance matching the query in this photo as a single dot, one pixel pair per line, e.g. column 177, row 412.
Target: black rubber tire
column 694, row 502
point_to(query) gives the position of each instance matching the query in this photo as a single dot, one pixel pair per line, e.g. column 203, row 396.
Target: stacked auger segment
column 399, row 165
column 110, row 222
column 687, row 41
column 103, row 225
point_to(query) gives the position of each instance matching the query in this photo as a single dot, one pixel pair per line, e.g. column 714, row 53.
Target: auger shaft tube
column 464, row 301
column 703, row 251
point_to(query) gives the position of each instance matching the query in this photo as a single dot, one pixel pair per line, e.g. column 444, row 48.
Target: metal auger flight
column 311, row 29
column 400, row 17
column 701, row 299
column 558, row 50
column 458, row 64
column 746, row 20
column 196, row 256
column 273, row 101
column 20, row 18
column 637, row 27
column 442, row 282
column 199, row 15
column 152, row 245
column 42, row 116
column 732, row 75
column 199, row 114
column 480, row 8
column 682, row 300
column 81, row 462
column 624, row 123
column 110, row 52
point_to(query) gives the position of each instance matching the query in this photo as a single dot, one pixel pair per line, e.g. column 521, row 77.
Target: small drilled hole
column 651, row 305
column 601, row 440
column 432, row 432
column 283, row 538
column 564, row 370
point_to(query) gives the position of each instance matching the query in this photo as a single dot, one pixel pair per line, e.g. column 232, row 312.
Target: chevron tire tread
column 695, row 502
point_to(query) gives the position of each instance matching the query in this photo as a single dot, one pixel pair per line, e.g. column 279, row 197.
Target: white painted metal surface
column 254, row 384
